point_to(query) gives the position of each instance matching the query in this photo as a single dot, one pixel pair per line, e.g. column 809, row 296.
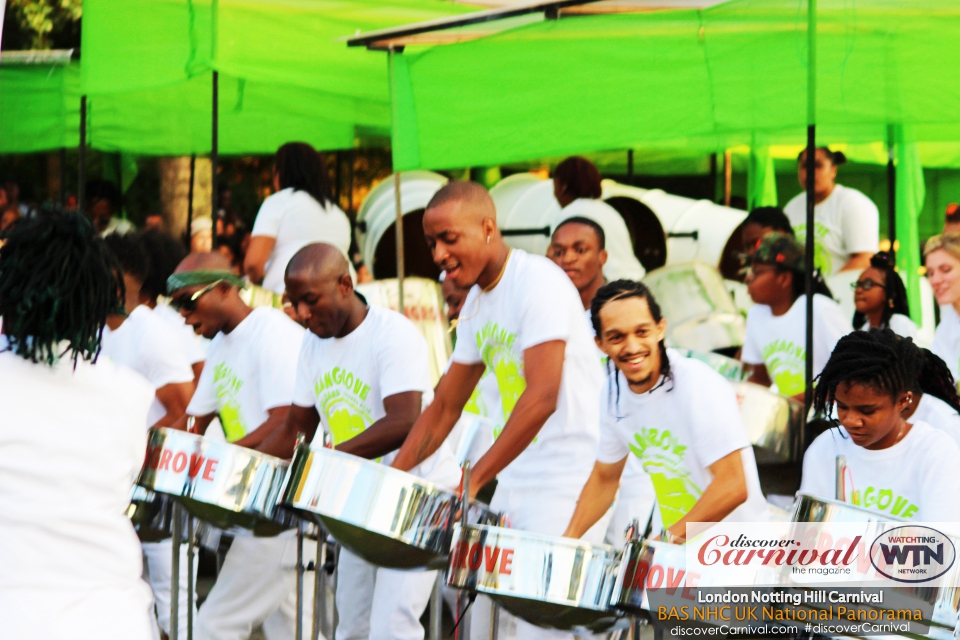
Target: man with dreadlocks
column 893, row 467
column 676, row 414
column 72, row 440
column 248, row 380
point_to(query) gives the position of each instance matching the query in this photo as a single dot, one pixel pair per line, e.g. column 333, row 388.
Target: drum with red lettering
column 151, row 514
column 648, row 564
column 546, row 580
column 220, row 483
column 387, row 517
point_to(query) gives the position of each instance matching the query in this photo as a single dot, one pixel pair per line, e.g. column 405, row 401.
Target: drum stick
column 175, row 577
column 299, row 630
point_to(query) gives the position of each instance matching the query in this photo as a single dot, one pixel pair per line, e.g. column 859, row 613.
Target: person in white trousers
column 248, row 381
column 523, row 321
column 363, row 375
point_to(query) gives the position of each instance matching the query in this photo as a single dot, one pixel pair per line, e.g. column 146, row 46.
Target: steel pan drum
column 636, row 573
column 151, row 514
column 774, row 423
column 546, row 580
column 223, row 484
column 387, row 517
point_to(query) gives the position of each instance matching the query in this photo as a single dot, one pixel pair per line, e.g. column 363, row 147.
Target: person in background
column 453, row 297
column 846, row 222
column 12, row 190
column 201, row 235
column 9, row 217
column 935, row 399
column 229, row 248
column 951, row 218
column 301, row 212
column 577, row 188
column 774, row 350
column 761, row 222
column 104, row 202
column 229, row 223
column 942, row 258
column 578, row 247
column 870, row 379
column 881, row 299
column 153, row 221
column 72, row 441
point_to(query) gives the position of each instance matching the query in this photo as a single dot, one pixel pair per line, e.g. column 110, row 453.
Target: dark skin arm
column 757, row 373
column 174, row 397
column 543, row 369
column 380, row 438
column 275, row 418
column 727, row 492
column 595, row 497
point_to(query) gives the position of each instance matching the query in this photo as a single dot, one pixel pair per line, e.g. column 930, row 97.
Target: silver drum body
column 774, row 423
column 546, row 580
column 944, row 599
column 639, row 566
column 387, row 517
column 220, row 483
column 151, row 514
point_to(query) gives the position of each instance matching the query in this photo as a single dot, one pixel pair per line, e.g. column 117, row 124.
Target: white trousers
column 374, row 603
column 257, row 585
column 542, row 510
column 157, row 571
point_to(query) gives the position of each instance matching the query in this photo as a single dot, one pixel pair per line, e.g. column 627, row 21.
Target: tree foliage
column 43, row 18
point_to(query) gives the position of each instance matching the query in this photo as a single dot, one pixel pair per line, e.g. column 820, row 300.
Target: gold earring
column 891, row 304
column 488, row 239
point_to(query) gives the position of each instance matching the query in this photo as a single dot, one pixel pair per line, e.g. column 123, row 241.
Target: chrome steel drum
column 646, row 564
column 546, row 580
column 773, row 422
column 151, row 514
column 387, row 517
column 944, row 599
column 727, row 367
column 223, row 484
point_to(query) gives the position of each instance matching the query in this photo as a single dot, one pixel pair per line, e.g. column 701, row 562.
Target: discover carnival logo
column 912, row 554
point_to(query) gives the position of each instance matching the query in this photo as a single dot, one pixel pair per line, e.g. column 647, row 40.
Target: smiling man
column 248, row 380
column 364, row 375
column 578, row 247
column 523, row 321
column 676, row 415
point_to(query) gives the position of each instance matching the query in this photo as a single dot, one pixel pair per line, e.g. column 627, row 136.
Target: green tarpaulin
column 39, row 107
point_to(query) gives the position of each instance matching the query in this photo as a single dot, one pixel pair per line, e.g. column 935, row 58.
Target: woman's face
column 870, row 415
column 825, row 175
column 870, row 294
column 943, row 271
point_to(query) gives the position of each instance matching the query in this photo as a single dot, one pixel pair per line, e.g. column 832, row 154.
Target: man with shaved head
column 363, row 375
column 248, row 381
column 523, row 320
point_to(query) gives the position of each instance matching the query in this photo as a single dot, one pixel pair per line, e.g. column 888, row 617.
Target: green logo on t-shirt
column 786, row 364
column 884, row 500
column 821, row 257
column 226, row 386
column 662, row 456
column 342, row 398
column 498, row 354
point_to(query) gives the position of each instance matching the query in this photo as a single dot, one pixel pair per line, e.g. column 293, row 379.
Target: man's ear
column 603, row 257
column 661, row 329
column 489, row 227
column 345, row 285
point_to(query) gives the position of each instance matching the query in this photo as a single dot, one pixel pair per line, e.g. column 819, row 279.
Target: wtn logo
column 912, row 554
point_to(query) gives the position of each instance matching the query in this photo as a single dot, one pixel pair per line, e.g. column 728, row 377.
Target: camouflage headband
column 201, row 277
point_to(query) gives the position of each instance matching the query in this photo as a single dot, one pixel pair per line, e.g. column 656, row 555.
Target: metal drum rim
column 838, row 503
column 253, row 453
column 573, row 543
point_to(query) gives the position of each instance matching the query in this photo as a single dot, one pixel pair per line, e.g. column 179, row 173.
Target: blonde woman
column 942, row 256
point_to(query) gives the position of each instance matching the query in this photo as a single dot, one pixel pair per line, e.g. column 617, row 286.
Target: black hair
column 935, row 379
column 896, row 293
column 621, row 290
column 772, row 217
column 601, row 236
column 837, row 158
column 879, row 358
column 104, row 190
column 58, row 282
column 580, row 177
column 301, row 168
column 130, row 253
column 231, row 242
column 165, row 253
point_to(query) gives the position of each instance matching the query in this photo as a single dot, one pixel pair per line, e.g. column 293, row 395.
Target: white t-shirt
column 900, row 324
column 190, row 342
column 248, row 371
column 847, row 222
column 916, row 479
column 677, row 430
column 939, row 415
column 780, row 342
column 946, row 341
column 347, row 378
column 533, row 303
column 622, row 262
column 148, row 345
column 71, row 445
column 295, row 220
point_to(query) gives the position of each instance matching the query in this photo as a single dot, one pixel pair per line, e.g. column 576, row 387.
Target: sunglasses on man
column 189, row 303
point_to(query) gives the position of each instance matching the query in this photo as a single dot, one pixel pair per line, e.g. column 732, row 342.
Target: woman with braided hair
column 935, row 399
column 907, row 470
column 881, row 298
column 72, row 440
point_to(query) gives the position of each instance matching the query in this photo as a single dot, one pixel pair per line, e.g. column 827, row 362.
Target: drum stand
column 175, row 574
column 300, row 568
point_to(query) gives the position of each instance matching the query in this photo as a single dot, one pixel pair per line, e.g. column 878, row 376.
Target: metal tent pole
column 214, row 151
column 630, row 166
column 175, row 576
column 891, row 193
column 82, row 156
column 62, row 196
column 298, row 634
column 191, row 578
column 811, row 202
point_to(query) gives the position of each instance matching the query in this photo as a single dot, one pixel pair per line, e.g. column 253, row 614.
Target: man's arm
column 758, row 374
column 543, row 370
column 255, row 261
column 858, row 261
column 276, row 417
column 727, row 492
column 283, row 439
column 388, row 433
column 595, row 497
column 174, row 397
column 200, row 422
column 438, row 419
